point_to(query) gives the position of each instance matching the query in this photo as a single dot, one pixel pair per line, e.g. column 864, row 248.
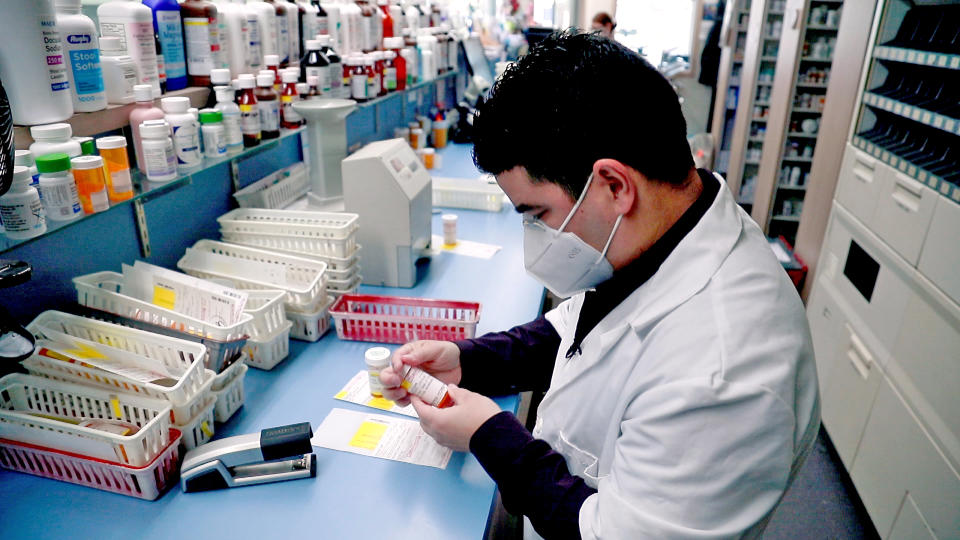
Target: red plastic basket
column 146, row 482
column 398, row 319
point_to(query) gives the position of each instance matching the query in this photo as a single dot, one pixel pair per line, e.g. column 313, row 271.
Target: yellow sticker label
column 246, row 108
column 405, row 385
column 286, row 99
column 115, row 403
column 164, row 297
column 84, row 351
column 368, row 436
column 341, row 394
column 205, row 428
column 381, row 403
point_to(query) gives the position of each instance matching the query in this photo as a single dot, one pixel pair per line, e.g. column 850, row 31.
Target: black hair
column 605, row 19
column 577, row 98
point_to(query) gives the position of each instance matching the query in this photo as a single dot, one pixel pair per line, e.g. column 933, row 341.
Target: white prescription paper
column 275, row 274
column 358, row 391
column 380, row 436
column 467, row 247
column 191, row 296
column 119, row 362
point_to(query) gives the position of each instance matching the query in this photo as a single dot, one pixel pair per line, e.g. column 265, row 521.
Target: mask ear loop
column 616, row 225
column 583, row 195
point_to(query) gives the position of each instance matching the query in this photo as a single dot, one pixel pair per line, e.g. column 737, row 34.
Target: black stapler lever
column 273, row 455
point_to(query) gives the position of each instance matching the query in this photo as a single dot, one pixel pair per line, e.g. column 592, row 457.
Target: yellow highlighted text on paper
column 163, row 297
column 368, row 435
column 380, row 403
column 85, row 351
column 341, row 394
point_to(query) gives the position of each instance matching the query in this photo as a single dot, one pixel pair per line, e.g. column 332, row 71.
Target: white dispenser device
column 387, row 186
column 327, row 142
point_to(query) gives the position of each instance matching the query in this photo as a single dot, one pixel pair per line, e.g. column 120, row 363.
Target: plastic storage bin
column 146, row 482
column 102, row 291
column 275, row 190
column 166, row 351
column 467, row 193
column 313, row 233
column 310, row 326
column 396, row 319
column 199, row 429
column 230, row 395
column 269, row 352
column 27, row 402
column 266, row 311
column 303, row 280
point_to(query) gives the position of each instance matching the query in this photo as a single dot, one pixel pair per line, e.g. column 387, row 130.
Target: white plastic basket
column 325, row 225
column 316, row 247
column 102, row 291
column 146, row 482
column 275, row 190
column 467, row 193
column 336, row 287
column 337, row 267
column 26, row 402
column 199, row 430
column 303, row 280
column 266, row 310
column 165, row 351
column 271, row 351
column 310, row 326
column 230, row 397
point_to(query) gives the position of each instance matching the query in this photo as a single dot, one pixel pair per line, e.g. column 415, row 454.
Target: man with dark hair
column 681, row 388
column 602, row 22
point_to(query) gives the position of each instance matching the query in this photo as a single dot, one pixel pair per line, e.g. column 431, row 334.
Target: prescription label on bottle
column 369, row 434
column 62, row 200
column 99, row 200
column 168, row 27
column 54, row 52
column 86, row 67
column 186, row 143
column 249, row 119
column 198, row 36
column 289, row 114
column 269, row 116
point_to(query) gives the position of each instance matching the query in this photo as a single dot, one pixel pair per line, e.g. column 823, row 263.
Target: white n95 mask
column 560, row 260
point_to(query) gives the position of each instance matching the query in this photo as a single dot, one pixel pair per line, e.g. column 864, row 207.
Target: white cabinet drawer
column 903, row 214
column 862, row 178
column 940, row 258
column 910, row 524
column 896, row 457
column 826, row 320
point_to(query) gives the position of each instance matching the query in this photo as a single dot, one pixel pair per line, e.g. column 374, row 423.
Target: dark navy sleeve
column 533, row 479
column 509, row 362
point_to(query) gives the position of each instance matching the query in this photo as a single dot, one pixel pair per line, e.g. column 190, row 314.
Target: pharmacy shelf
column 941, row 186
column 822, row 27
column 412, row 89
column 799, row 135
column 145, row 190
column 797, row 159
column 807, row 111
column 812, row 85
column 814, row 59
column 788, row 187
column 112, row 118
column 917, row 57
column 929, row 118
column 790, row 219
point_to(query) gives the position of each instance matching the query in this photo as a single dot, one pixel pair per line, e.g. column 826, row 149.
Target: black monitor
column 477, row 63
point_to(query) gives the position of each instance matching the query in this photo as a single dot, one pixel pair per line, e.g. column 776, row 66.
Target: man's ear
column 618, row 181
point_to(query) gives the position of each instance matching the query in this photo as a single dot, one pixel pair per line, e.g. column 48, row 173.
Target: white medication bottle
column 24, row 158
column 377, row 359
column 425, row 386
column 185, row 129
column 132, row 22
column 32, row 63
column 61, row 201
column 159, row 158
column 20, row 208
column 449, row 229
column 53, row 138
column 214, row 134
column 119, row 72
column 230, row 113
column 82, row 55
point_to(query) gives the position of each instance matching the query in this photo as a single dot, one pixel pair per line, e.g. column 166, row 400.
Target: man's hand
column 438, row 358
column 454, row 426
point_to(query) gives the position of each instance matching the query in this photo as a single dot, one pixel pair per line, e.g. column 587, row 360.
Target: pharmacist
column 681, row 388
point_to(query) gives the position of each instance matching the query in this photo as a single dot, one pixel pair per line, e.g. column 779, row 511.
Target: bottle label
column 358, row 86
column 373, row 86
column 99, row 200
column 120, row 181
column 129, row 73
column 283, row 38
column 22, row 217
column 289, row 114
column 336, row 69
column 390, row 78
column 85, row 64
column 217, row 50
column 269, row 115
column 161, row 70
column 345, row 87
column 62, row 201
column 214, row 143
column 322, row 73
column 171, row 41
column 250, row 119
column 186, row 143
column 323, row 25
column 138, row 41
column 253, row 49
column 53, row 48
column 231, row 127
column 196, row 30
column 160, row 161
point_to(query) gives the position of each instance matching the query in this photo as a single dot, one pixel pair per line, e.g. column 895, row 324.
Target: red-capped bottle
column 289, row 118
column 249, row 112
column 395, row 44
column 387, row 19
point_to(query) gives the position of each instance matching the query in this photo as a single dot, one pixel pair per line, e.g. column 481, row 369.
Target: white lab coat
column 695, row 401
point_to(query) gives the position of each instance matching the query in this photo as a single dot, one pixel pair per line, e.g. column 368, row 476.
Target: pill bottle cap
column 247, row 82
column 86, row 162
column 23, row 157
column 264, row 80
column 143, row 93
column 220, row 76
column 51, row 131
column 21, row 176
column 155, row 130
column 271, row 60
column 174, row 105
column 290, row 77
column 87, row 147
column 377, row 356
column 313, row 45
column 210, row 116
column 52, row 163
column 115, row 141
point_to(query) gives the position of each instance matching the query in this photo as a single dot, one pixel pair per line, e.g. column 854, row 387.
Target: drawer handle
column 905, row 197
column 864, row 177
column 866, row 161
column 859, row 356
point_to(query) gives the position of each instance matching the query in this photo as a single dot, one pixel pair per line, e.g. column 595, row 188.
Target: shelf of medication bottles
column 941, row 186
column 798, row 159
column 145, row 190
column 411, row 88
column 917, row 57
column 800, row 135
column 112, row 118
column 929, row 118
column 811, row 85
column 816, row 59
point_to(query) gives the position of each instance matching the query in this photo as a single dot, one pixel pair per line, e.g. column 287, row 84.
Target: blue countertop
column 352, row 496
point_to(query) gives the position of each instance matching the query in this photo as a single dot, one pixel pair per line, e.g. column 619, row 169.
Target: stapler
column 273, row 455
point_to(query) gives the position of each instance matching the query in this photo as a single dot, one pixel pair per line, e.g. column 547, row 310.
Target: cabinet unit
column 736, row 21
column 884, row 308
